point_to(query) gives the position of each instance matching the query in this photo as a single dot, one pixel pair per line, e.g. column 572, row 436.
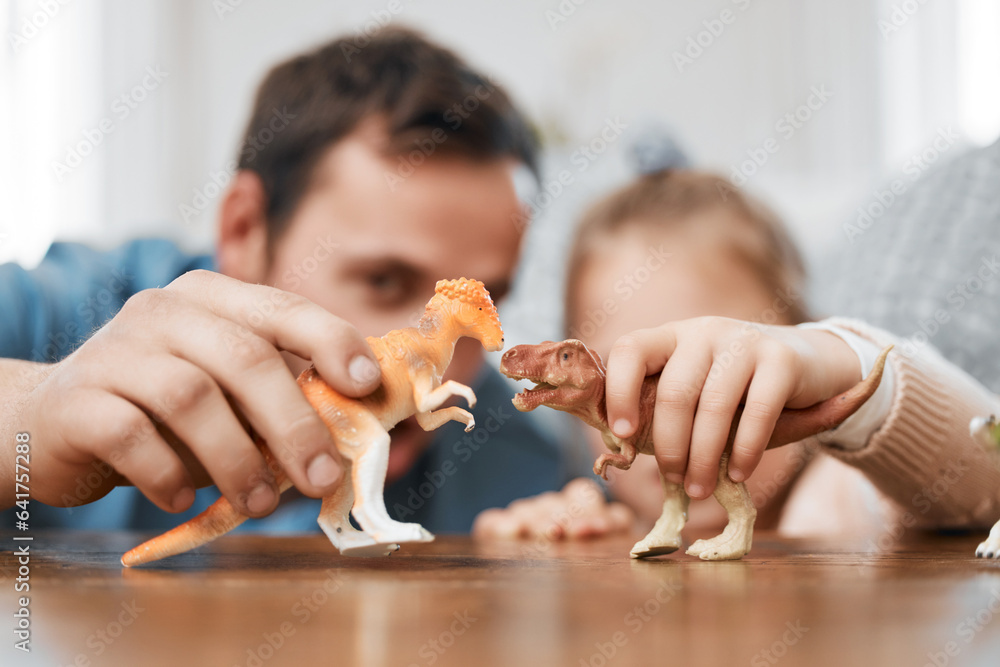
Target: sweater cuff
column 917, row 447
column 854, row 432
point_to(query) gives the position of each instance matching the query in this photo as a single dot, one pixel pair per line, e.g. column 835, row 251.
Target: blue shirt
column 47, row 312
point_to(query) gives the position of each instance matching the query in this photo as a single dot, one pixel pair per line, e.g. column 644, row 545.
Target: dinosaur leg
column 436, row 418
column 335, row 520
column 368, row 450
column 665, row 537
column 427, row 398
column 619, row 461
column 735, row 540
column 991, row 547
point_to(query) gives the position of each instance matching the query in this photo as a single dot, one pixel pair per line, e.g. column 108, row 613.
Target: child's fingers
column 579, row 511
column 770, row 388
column 632, row 358
column 621, row 515
column 713, row 421
column 497, row 523
column 584, row 494
column 676, row 399
column 527, row 517
column 588, row 526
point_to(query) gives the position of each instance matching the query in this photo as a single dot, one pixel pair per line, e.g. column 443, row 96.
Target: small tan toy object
column 986, row 431
column 571, row 377
column 412, row 362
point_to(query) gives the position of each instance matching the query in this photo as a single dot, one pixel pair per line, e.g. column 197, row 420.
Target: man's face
column 369, row 244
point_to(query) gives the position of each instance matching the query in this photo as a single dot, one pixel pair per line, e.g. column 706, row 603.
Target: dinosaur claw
column 651, row 552
column 988, row 549
column 375, row 550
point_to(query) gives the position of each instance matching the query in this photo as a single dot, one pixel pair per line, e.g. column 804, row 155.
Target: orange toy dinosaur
column 413, row 361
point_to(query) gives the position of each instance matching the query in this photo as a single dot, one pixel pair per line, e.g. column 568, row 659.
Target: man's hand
column 186, row 364
column 709, row 366
column 579, row 511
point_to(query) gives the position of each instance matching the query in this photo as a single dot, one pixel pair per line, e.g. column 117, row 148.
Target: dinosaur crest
column 470, row 305
column 466, row 290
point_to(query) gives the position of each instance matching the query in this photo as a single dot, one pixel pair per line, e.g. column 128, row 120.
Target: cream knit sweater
column 921, row 460
column 925, row 267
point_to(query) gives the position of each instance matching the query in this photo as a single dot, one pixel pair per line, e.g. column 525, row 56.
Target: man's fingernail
column 674, row 478
column 261, row 498
column 323, row 471
column 736, row 475
column 696, row 491
column 183, row 499
column 363, row 370
column 621, row 427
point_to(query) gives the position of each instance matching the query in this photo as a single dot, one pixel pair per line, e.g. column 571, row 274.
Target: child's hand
column 710, row 366
column 578, row 511
column 184, row 357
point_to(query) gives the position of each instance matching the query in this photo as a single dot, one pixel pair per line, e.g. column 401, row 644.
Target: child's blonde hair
column 672, row 199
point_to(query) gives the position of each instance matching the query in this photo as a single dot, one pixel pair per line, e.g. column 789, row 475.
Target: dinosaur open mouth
column 531, row 397
column 539, row 386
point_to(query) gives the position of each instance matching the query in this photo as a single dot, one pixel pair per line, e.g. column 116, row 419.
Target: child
column 727, row 257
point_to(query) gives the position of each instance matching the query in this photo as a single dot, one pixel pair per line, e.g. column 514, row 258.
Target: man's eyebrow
column 384, row 263
column 498, row 289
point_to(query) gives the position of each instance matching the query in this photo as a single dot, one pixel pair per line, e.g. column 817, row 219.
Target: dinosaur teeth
column 542, row 385
column 539, row 385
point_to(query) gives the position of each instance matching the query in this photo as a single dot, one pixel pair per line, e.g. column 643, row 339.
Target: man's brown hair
column 677, row 198
column 428, row 99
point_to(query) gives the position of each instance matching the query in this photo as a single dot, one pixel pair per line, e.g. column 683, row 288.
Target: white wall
column 599, row 59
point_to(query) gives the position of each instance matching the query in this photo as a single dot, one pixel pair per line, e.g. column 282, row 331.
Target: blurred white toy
column 986, row 431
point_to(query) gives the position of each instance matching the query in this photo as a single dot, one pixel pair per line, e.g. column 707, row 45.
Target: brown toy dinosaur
column 412, row 361
column 570, row 377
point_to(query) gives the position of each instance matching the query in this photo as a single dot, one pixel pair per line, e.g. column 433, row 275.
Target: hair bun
column 654, row 149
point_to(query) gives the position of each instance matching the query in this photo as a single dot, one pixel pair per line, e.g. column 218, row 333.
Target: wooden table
column 255, row 601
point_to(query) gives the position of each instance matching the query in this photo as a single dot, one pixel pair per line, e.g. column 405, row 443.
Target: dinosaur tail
column 795, row 425
column 217, row 520
column 220, row 518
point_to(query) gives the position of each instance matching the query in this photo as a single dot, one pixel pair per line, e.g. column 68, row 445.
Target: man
column 391, row 168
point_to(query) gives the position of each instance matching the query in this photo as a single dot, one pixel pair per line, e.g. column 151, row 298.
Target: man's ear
column 242, row 248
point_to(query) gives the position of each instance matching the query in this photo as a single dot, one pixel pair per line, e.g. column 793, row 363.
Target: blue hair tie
column 654, row 149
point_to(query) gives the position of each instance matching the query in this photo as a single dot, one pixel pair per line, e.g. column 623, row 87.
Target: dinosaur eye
column 565, row 356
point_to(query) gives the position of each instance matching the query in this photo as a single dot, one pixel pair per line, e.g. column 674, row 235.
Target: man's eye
column 388, row 288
